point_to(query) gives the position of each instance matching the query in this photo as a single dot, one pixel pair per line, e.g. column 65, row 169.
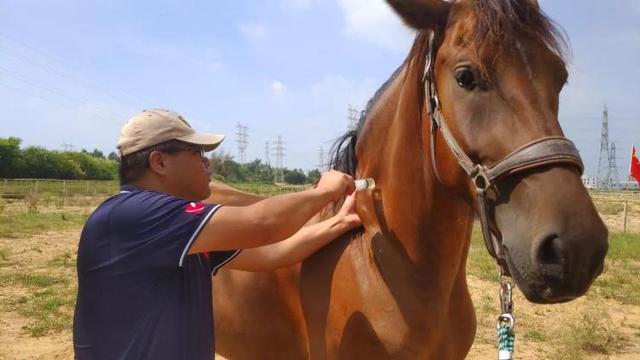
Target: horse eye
column 466, row 79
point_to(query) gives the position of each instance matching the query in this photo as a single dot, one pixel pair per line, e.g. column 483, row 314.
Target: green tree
column 44, row 164
column 256, row 171
column 313, row 176
column 295, row 176
column 223, row 167
column 98, row 154
column 92, row 167
column 113, row 157
column 10, row 157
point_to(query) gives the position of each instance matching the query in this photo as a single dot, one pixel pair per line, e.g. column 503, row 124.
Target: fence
column 21, row 188
column 619, row 209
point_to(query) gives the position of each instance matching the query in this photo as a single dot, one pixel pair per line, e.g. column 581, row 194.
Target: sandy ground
column 15, row 343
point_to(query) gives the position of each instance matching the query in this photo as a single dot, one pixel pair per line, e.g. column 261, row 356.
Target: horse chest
column 381, row 311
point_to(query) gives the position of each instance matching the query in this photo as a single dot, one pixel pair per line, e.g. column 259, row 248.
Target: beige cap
column 155, row 126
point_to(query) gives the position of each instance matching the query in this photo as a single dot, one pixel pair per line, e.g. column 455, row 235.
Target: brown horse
column 475, row 133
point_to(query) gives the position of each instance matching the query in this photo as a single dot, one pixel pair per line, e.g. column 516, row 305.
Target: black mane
column 343, row 150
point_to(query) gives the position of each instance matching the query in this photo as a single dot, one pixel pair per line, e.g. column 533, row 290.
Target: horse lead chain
column 506, row 321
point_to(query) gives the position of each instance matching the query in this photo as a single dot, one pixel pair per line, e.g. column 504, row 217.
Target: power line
column 45, row 64
column 55, row 102
column 53, row 91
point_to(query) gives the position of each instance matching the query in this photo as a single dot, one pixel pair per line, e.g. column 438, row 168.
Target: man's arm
column 226, row 195
column 299, row 246
column 270, row 220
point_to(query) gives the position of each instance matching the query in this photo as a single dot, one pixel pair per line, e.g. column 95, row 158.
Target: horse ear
column 422, row 14
column 535, row 3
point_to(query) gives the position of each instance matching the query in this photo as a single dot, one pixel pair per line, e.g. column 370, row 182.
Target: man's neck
column 151, row 183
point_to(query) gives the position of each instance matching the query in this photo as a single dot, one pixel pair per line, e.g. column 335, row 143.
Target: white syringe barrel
column 365, row 184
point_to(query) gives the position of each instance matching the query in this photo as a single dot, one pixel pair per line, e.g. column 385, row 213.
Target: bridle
column 550, row 150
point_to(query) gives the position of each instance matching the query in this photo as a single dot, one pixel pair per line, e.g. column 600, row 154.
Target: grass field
column 38, row 286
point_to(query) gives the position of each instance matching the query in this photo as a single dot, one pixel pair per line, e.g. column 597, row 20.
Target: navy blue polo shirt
column 140, row 296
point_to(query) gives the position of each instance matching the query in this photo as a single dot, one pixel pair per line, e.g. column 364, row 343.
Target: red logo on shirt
column 194, row 208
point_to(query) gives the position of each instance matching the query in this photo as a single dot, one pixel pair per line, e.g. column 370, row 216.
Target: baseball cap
column 155, row 126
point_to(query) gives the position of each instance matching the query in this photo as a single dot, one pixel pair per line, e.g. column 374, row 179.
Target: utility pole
column 242, row 138
column 604, row 165
column 279, row 168
column 353, row 118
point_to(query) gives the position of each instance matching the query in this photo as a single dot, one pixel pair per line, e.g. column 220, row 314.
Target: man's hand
column 336, row 184
column 301, row 245
column 347, row 214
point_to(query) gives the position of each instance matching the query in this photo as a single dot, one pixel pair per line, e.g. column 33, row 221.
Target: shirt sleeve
column 219, row 258
column 156, row 230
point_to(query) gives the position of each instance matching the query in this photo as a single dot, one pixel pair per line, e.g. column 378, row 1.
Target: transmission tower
column 66, row 147
column 279, row 168
column 604, row 162
column 242, row 138
column 267, row 155
column 352, row 118
column 323, row 164
column 613, row 168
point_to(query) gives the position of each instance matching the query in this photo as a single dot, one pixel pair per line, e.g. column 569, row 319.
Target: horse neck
column 428, row 222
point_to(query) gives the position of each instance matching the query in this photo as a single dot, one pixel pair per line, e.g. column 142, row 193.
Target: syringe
column 365, row 184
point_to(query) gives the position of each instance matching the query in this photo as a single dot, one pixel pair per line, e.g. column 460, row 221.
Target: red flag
column 634, row 168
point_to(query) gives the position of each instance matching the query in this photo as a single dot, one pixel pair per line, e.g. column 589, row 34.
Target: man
column 146, row 255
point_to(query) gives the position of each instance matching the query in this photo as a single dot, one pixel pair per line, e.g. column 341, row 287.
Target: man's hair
column 133, row 166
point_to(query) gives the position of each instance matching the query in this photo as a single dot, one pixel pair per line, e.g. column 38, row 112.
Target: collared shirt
column 140, row 295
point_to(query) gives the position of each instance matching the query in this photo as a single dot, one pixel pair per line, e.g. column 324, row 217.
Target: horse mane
column 498, row 23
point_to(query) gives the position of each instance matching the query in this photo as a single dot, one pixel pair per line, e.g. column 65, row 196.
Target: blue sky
column 72, row 72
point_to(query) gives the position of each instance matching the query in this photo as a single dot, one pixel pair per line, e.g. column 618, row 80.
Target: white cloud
column 210, row 60
column 278, row 89
column 254, row 31
column 375, row 22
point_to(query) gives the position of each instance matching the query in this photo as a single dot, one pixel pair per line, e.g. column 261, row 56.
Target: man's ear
column 157, row 163
column 422, row 14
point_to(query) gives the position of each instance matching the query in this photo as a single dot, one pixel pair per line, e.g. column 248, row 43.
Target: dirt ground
column 543, row 332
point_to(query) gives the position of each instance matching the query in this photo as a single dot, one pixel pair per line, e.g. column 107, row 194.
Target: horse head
column 496, row 69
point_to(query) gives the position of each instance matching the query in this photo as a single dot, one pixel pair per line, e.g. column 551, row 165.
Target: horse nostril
column 549, row 252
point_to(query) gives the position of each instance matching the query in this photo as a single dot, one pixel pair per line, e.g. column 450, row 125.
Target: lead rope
column 506, row 321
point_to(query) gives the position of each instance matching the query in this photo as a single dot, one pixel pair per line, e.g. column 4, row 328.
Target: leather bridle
column 545, row 151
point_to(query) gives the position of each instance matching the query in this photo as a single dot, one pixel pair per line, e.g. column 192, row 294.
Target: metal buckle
column 480, row 179
column 506, row 302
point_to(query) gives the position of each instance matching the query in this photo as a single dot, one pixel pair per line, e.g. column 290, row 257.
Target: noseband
column 545, row 151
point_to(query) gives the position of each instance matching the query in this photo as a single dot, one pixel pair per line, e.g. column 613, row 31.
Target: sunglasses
column 191, row 148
